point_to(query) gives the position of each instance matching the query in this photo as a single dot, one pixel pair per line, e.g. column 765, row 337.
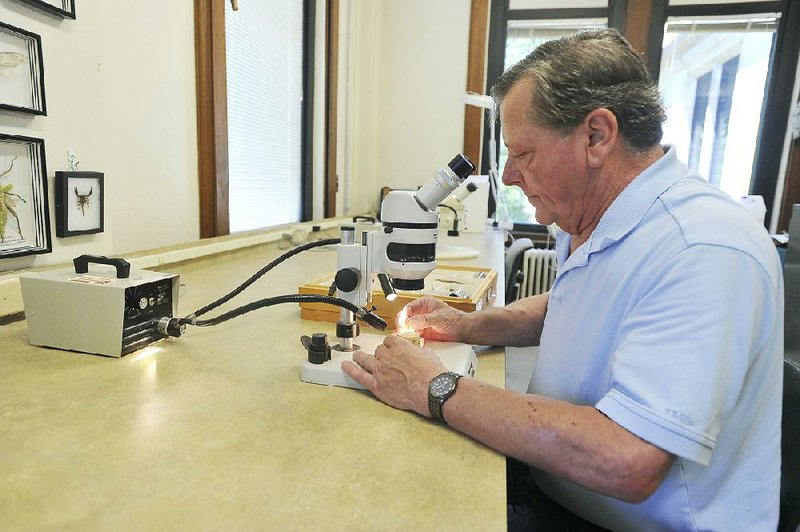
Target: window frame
column 642, row 23
column 777, row 101
column 212, row 115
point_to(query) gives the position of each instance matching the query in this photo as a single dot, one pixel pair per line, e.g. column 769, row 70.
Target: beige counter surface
column 216, row 431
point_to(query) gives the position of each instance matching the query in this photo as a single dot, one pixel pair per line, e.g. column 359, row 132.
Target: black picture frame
column 66, row 9
column 25, row 212
column 79, row 203
column 22, row 89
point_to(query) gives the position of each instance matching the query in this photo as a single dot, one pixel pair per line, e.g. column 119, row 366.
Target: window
column 264, row 52
column 261, row 175
column 522, row 37
column 725, row 124
column 712, row 80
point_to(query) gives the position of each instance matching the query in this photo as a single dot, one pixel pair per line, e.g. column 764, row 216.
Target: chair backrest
column 791, row 283
column 790, row 442
column 790, row 448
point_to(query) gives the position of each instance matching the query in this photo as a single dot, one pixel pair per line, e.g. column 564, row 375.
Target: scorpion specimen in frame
column 83, row 200
column 7, row 204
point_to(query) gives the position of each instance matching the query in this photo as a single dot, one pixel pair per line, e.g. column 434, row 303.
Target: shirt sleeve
column 685, row 348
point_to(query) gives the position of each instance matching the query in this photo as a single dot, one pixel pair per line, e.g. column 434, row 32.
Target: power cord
column 366, row 315
column 256, row 276
column 177, row 326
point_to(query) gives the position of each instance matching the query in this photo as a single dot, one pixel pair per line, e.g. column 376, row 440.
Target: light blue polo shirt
column 669, row 320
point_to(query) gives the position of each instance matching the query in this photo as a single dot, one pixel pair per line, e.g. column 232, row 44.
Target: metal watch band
column 436, row 404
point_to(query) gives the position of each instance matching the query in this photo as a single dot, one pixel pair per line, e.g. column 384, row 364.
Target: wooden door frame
column 212, row 117
column 476, row 79
column 331, row 105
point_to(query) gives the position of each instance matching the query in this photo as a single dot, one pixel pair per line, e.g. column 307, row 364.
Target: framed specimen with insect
column 79, row 203
column 62, row 8
column 21, row 71
column 24, row 212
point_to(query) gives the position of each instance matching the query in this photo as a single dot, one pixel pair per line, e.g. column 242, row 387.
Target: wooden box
column 466, row 288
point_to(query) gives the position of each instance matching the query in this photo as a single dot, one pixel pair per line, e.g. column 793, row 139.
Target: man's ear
column 603, row 135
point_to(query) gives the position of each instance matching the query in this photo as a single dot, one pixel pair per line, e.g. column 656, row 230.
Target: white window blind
column 264, row 54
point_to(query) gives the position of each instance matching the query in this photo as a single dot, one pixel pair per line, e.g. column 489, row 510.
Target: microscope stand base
column 455, row 356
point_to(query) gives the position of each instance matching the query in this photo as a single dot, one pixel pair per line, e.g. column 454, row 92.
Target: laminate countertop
column 215, row 430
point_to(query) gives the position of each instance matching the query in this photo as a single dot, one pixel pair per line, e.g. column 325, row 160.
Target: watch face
column 442, row 385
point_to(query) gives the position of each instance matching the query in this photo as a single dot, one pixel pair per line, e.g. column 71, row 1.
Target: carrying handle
column 82, row 264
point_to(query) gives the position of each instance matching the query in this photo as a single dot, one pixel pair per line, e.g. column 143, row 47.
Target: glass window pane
column 713, row 73
column 522, row 37
column 555, row 4
column 694, row 2
column 724, row 103
column 264, row 53
column 699, row 118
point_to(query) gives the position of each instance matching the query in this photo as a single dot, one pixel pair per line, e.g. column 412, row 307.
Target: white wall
column 407, row 78
column 120, row 87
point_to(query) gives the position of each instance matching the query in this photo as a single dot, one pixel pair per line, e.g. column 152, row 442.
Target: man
column 655, row 403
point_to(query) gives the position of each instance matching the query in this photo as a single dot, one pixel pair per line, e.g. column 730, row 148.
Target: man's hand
column 432, row 318
column 398, row 373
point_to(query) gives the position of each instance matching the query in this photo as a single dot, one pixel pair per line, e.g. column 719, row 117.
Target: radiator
column 538, row 272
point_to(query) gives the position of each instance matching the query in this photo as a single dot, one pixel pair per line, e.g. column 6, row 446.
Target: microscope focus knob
column 347, row 279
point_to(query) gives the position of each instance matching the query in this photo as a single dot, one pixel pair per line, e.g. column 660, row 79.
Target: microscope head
column 410, row 225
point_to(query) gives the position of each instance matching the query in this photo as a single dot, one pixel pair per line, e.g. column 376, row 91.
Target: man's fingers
column 422, row 305
column 412, row 307
column 359, row 374
column 418, row 323
column 366, row 361
column 388, row 341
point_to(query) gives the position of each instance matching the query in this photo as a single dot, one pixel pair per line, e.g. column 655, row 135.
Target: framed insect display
column 62, row 8
column 21, row 71
column 24, row 212
column 79, row 203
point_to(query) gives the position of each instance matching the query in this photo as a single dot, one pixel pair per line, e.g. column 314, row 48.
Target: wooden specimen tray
column 463, row 287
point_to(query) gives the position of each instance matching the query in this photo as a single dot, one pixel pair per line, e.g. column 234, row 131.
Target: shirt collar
column 628, row 209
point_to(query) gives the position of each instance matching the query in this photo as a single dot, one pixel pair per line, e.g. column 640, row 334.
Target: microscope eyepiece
column 444, row 181
column 461, row 166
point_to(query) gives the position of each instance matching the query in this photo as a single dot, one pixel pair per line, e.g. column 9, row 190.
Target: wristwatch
column 441, row 388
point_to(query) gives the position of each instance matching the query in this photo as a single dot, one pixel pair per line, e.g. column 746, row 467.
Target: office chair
column 790, row 442
column 790, row 448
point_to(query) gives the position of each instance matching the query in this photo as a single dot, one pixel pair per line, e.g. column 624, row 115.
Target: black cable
column 239, row 289
column 455, row 218
column 368, row 317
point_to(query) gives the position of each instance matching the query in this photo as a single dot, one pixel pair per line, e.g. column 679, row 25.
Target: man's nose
column 510, row 174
